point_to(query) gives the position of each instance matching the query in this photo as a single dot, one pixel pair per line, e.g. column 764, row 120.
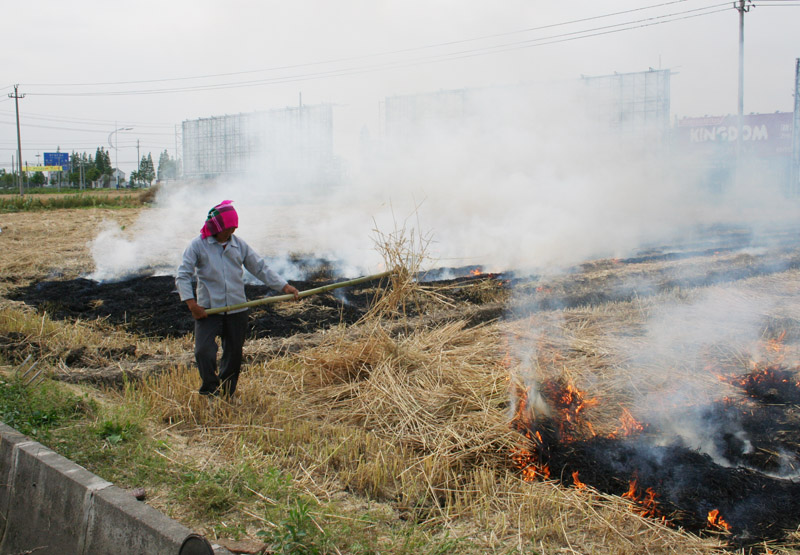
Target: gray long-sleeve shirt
column 219, row 272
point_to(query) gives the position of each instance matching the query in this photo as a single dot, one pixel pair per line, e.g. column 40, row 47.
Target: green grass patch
column 214, row 493
column 29, row 203
column 115, row 445
column 246, row 498
column 36, row 411
column 51, row 190
column 297, row 534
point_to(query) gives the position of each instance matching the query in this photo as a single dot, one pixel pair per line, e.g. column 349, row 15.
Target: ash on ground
column 150, row 306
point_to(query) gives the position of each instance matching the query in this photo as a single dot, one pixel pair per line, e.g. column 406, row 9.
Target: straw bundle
column 440, row 391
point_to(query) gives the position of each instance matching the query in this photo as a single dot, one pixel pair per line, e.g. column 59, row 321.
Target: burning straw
column 659, row 422
column 417, row 416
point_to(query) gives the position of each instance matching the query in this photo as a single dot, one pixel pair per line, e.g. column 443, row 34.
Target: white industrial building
column 293, row 145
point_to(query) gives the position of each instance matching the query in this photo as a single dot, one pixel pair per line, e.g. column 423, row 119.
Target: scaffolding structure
column 637, row 103
column 407, row 113
column 294, row 143
column 633, row 103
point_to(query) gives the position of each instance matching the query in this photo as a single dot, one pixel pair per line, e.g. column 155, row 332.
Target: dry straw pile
column 401, row 411
column 417, row 417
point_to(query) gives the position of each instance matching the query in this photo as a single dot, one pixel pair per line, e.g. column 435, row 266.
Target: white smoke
column 673, row 367
column 668, row 361
column 526, row 178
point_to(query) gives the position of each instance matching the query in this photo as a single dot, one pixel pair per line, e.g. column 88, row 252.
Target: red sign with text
column 761, row 134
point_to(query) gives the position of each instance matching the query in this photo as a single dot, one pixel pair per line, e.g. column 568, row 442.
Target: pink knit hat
column 221, row 217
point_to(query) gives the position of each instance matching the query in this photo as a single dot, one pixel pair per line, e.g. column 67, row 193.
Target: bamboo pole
column 307, row 293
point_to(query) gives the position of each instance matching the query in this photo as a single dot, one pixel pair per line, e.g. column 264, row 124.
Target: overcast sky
column 88, row 67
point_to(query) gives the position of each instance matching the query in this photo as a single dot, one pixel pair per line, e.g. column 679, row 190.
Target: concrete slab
column 50, row 505
column 119, row 523
column 48, row 502
column 9, row 439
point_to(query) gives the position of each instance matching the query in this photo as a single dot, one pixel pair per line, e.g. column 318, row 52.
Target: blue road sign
column 56, row 159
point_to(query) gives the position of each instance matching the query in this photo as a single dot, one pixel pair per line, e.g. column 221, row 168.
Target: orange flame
column 525, row 459
column 628, row 425
column 648, row 507
column 529, row 464
column 521, row 419
column 760, row 376
column 475, row 272
column 570, row 403
column 715, row 520
column 776, row 345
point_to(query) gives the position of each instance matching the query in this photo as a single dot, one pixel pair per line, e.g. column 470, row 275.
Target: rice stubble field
column 394, row 420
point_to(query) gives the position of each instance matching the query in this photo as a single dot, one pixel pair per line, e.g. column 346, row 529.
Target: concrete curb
column 50, row 505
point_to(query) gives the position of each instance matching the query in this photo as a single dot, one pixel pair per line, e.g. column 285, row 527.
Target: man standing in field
column 216, row 257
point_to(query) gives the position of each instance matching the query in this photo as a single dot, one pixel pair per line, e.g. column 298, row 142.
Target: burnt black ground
column 747, row 490
column 150, row 306
column 688, row 483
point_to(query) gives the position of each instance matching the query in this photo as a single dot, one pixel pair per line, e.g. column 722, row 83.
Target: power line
column 366, row 56
column 48, row 117
column 30, row 145
column 78, row 130
column 494, row 49
column 605, row 30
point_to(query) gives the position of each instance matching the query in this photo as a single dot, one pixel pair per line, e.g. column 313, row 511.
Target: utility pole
column 138, row 162
column 16, row 98
column 37, row 160
column 61, row 171
column 178, row 170
column 116, row 150
column 742, row 6
column 795, row 187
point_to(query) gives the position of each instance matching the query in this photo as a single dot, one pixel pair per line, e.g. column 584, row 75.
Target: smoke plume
column 523, row 178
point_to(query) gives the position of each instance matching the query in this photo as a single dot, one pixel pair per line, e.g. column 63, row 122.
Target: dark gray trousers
column 232, row 328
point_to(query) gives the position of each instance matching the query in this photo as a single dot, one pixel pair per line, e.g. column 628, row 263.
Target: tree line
column 84, row 169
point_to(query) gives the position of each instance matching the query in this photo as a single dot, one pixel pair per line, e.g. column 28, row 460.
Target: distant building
column 405, row 115
column 292, row 145
column 631, row 103
column 711, row 145
column 118, row 176
column 636, row 103
column 763, row 135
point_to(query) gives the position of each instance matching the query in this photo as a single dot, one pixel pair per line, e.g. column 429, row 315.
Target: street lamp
column 116, row 151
